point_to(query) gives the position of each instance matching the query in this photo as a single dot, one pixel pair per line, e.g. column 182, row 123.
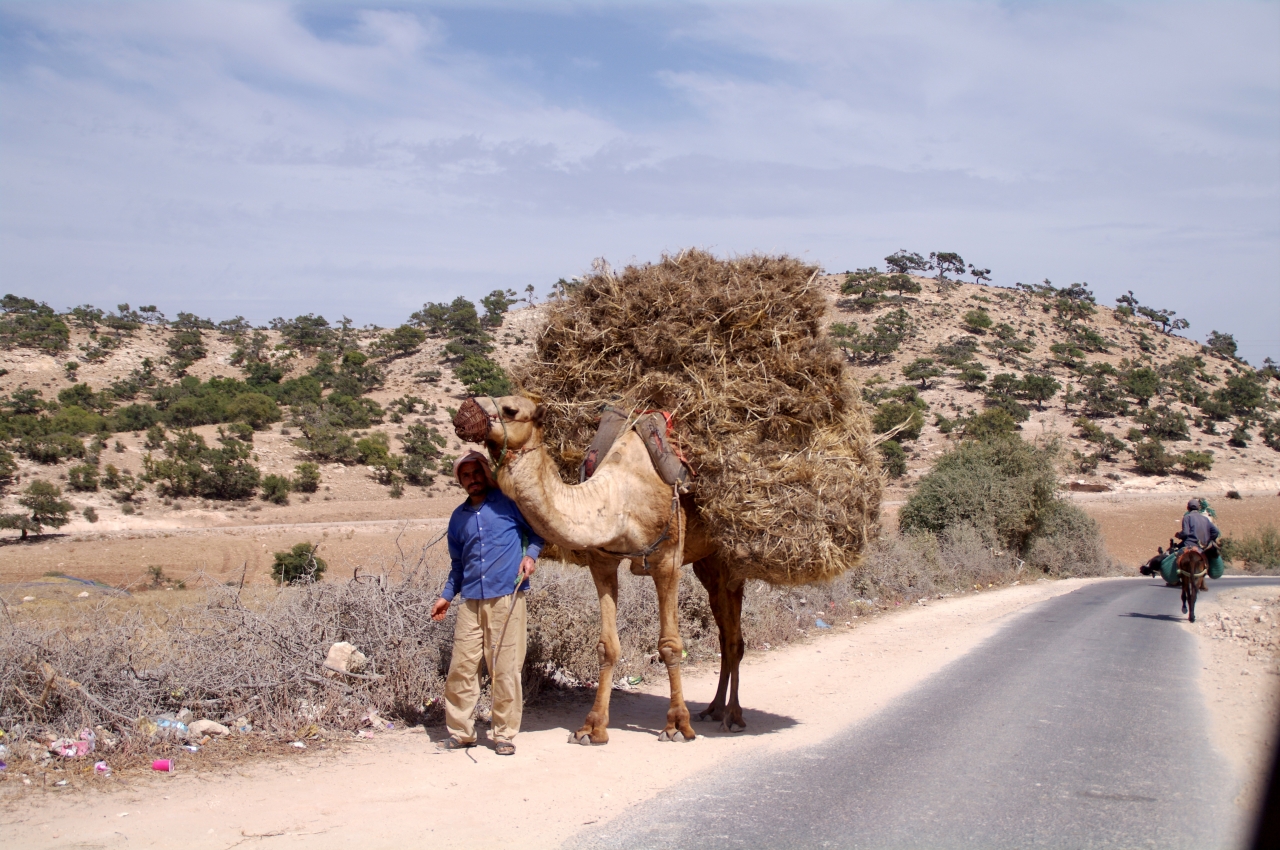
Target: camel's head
column 513, row 422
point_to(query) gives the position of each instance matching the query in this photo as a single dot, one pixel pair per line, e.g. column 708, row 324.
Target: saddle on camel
column 687, row 412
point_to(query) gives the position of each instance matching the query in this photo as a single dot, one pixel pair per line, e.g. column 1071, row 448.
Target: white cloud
column 242, row 154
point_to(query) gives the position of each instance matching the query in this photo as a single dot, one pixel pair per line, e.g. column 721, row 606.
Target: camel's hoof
column 674, row 735
column 1192, row 618
column 584, row 738
column 710, row 714
column 730, row 726
column 1184, row 609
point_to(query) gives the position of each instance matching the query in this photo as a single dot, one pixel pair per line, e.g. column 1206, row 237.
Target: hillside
column 979, row 357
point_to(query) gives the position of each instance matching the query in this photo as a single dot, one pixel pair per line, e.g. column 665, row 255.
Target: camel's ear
column 538, row 413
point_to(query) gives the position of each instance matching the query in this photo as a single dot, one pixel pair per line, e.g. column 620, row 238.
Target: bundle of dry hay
column 776, row 433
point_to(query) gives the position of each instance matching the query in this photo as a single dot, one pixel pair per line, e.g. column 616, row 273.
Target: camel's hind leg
column 726, row 605
column 712, row 578
column 666, row 580
column 594, row 729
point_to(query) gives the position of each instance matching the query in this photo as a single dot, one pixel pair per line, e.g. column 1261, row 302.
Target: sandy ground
column 1239, row 631
column 395, row 791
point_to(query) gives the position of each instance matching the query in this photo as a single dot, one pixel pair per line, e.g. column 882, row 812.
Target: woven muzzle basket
column 471, row 422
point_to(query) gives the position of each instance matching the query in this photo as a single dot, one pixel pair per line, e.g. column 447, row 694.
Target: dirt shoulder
column 394, row 791
column 1239, row 632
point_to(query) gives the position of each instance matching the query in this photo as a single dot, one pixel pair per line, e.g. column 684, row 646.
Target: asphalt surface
column 1079, row 724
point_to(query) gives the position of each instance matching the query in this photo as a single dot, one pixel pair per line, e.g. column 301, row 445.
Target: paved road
column 1079, row 724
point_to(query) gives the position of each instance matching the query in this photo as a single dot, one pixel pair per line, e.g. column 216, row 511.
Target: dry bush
column 258, row 655
column 776, row 433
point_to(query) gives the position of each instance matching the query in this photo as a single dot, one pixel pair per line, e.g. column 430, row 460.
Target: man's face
column 471, row 477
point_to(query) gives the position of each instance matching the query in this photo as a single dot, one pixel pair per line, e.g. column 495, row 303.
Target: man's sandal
column 454, row 744
column 505, row 748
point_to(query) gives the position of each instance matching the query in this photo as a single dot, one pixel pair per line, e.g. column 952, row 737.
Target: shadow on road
column 639, row 712
column 1172, row 618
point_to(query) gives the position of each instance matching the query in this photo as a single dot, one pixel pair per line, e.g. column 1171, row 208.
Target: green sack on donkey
column 1169, row 566
column 1216, row 564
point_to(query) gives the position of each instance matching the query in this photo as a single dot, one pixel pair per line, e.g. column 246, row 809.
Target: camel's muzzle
column 471, row 422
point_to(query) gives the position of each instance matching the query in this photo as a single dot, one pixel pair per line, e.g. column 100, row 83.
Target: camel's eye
column 509, row 411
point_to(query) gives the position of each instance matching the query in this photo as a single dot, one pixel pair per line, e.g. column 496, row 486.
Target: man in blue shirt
column 492, row 550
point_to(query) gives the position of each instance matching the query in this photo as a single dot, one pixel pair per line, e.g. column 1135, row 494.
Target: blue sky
column 268, row 159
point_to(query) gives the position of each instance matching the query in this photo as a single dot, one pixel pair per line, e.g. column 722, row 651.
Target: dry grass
column 223, row 653
column 775, row 431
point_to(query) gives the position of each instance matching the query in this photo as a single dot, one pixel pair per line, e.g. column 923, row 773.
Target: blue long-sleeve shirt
column 485, row 546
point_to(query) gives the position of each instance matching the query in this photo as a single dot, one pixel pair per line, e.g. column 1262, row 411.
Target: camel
column 625, row 511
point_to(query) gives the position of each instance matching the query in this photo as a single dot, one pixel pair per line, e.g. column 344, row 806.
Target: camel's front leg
column 594, row 729
column 666, row 580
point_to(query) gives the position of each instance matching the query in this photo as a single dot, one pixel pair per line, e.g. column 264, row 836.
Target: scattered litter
column 191, row 748
column 684, row 653
column 300, row 745
column 70, row 748
column 84, row 594
column 61, row 783
column 3, row 766
column 344, row 658
column 822, row 624
column 163, row 766
column 634, row 680
column 102, row 768
column 207, row 727
column 28, row 599
column 242, row 724
column 310, row 730
column 365, row 733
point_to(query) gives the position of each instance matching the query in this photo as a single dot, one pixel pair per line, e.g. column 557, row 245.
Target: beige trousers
column 474, row 637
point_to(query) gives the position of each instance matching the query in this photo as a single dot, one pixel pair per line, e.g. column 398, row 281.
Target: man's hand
column 527, row 566
column 440, row 608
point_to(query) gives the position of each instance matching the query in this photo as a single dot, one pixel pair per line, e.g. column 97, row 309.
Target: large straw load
column 776, row 433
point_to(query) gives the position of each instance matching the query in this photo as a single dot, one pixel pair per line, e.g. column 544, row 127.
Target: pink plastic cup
column 163, row 765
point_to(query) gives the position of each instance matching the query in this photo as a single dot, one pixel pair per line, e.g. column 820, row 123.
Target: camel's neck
column 581, row 516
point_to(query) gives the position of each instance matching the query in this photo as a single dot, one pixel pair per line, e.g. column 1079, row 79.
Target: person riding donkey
column 1197, row 529
column 493, row 552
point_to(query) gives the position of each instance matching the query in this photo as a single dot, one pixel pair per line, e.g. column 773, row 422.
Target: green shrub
column 255, row 409
column 306, row 477
column 1193, row 462
column 1003, row 487
column 1163, row 423
column 28, row 323
column 191, row 468
column 275, row 489
column 299, row 564
column 1261, row 547
column 894, row 458
column 891, row 414
column 1239, row 437
column 375, row 451
column 8, row 468
column 1068, row 543
column 990, row 424
column 1270, row 433
column 45, row 507
column 83, row 478
column 90, row 514
column 1151, row 458
column 482, row 376
column 241, row 431
column 51, row 448
column 977, row 321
